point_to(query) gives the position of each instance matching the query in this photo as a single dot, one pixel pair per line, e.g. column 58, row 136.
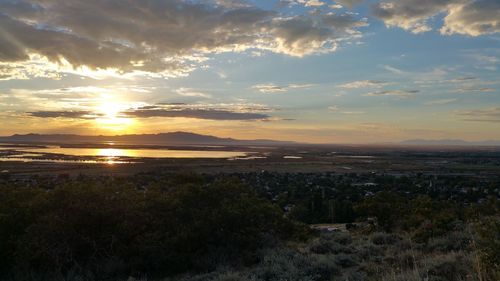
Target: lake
column 138, row 153
column 27, row 153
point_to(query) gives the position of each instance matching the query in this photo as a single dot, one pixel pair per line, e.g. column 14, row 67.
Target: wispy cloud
column 481, row 115
column 475, row 90
column 305, row 3
column 364, row 84
column 393, row 93
column 393, row 69
column 188, row 92
column 483, row 59
column 441, row 102
column 336, row 109
column 273, row 88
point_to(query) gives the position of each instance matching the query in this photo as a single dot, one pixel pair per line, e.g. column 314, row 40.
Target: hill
column 171, row 138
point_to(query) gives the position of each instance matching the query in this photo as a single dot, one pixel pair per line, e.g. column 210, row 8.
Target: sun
column 111, row 117
column 110, row 110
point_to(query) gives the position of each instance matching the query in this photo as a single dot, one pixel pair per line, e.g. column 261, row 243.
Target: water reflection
column 112, row 152
column 146, row 153
column 27, row 160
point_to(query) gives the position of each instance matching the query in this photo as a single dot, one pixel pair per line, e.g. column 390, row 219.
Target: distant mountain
column 449, row 142
column 173, row 138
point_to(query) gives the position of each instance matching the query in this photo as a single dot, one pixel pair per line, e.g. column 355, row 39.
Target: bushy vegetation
column 194, row 228
column 110, row 230
column 356, row 257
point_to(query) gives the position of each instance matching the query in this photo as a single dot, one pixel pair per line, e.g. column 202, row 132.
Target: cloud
column 235, row 112
column 336, row 109
column 352, row 112
column 349, row 3
column 393, row 69
column 430, row 76
column 481, row 60
column 409, row 14
column 336, row 6
column 395, row 93
column 467, row 17
column 333, row 108
column 311, row 3
column 64, row 114
column 306, row 3
column 77, row 98
column 35, row 67
column 269, row 88
column 363, row 84
column 273, row 88
column 474, row 18
column 440, row 78
column 475, row 89
column 168, row 38
column 314, row 3
column 188, row 92
column 208, row 112
column 481, row 115
column 441, row 102
column 462, row 79
column 231, row 3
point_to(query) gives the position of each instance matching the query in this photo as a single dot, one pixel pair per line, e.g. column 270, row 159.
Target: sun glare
column 111, row 118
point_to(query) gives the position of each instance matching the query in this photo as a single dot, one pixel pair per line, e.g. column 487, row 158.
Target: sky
column 319, row 71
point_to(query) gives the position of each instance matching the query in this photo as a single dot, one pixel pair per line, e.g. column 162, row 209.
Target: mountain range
column 172, row 138
column 186, row 138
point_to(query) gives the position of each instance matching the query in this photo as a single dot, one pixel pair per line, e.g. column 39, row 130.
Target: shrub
column 381, row 238
column 327, row 247
column 454, row 241
column 342, row 238
column 449, row 268
column 489, row 246
column 112, row 231
column 344, row 260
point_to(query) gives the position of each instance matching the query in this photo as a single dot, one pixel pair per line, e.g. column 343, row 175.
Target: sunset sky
column 305, row 70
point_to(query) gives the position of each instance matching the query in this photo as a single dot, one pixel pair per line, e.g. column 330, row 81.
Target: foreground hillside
column 189, row 227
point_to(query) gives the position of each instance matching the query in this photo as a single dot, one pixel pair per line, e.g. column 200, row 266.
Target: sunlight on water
column 112, row 152
column 147, row 153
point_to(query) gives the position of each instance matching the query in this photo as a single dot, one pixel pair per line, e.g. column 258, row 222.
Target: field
column 340, row 159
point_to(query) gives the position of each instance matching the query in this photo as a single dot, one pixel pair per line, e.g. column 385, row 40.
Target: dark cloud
column 201, row 111
column 209, row 114
column 175, row 110
column 160, row 36
column 410, row 14
column 64, row 114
